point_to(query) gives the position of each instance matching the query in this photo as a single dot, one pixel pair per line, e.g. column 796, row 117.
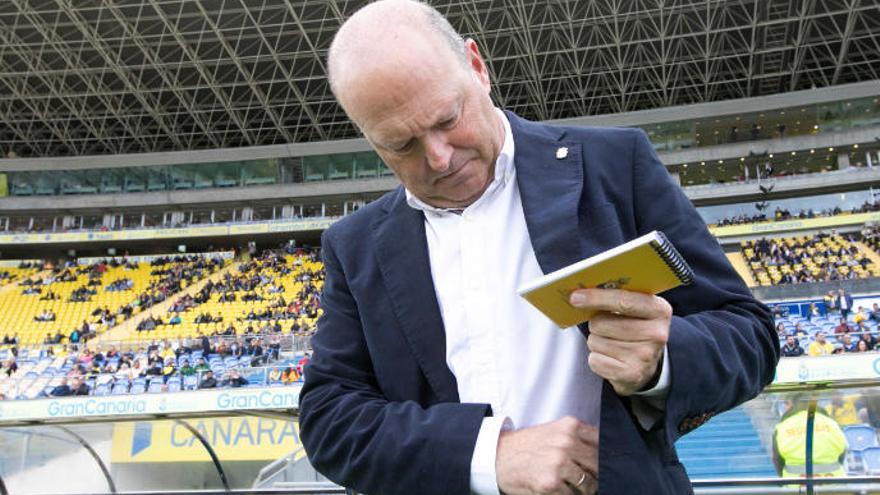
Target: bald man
column 429, row 374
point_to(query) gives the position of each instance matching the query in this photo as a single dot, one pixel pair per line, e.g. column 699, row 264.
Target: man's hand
column 561, row 457
column 627, row 336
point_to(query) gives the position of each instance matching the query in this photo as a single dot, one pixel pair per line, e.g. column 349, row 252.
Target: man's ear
column 477, row 64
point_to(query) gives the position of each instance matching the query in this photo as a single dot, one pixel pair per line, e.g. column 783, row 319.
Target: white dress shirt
column 502, row 350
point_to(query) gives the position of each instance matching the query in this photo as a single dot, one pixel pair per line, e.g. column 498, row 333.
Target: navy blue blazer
column 379, row 411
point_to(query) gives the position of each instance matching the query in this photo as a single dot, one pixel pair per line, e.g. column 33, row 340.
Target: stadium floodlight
column 181, row 248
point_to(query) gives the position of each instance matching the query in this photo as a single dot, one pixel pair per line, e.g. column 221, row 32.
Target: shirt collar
column 504, row 171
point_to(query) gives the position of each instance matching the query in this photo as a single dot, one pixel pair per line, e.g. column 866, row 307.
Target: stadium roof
column 132, row 76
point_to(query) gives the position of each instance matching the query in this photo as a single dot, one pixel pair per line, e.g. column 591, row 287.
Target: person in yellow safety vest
column 847, row 410
column 790, row 443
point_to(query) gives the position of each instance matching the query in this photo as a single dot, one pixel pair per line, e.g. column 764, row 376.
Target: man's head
column 846, row 339
column 420, row 95
column 789, row 341
column 820, row 337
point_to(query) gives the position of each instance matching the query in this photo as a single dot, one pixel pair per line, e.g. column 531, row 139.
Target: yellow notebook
column 648, row 264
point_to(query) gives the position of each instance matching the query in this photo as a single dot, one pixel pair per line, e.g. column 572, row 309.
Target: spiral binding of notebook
column 673, row 259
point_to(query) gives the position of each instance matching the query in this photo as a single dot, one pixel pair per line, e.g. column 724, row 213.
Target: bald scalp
column 391, row 35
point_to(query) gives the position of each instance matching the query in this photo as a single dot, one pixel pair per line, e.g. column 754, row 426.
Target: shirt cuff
column 648, row 406
column 483, row 478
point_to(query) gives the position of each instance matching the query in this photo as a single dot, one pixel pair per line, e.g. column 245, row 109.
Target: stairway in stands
column 742, row 268
column 870, row 253
column 726, row 447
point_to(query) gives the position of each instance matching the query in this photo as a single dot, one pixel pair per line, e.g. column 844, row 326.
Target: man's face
column 431, row 120
column 820, row 338
column 790, row 341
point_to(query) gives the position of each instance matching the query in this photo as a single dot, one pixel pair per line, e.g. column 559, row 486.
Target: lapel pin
column 561, row 153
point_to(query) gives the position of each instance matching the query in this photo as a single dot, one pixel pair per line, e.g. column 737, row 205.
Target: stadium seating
column 826, row 324
column 798, row 259
column 726, row 446
column 871, row 459
column 19, row 309
column 283, row 272
column 39, row 373
column 9, row 275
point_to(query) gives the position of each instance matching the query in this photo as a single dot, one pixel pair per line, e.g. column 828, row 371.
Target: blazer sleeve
column 722, row 346
column 358, row 438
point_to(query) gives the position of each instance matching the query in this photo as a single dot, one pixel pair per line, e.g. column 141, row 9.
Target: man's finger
column 588, row 434
column 621, row 302
column 626, row 328
column 587, row 457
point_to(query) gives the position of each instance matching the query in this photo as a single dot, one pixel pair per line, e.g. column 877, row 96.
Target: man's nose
column 438, row 151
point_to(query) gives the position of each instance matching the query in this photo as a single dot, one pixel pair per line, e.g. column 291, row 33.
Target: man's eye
column 449, row 123
column 406, row 147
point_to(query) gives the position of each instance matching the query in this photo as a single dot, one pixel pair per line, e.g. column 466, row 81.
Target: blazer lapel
column 402, row 252
column 550, row 175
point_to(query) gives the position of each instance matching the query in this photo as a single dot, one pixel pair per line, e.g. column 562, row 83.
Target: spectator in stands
column 186, row 369
column 155, row 369
column 175, row 320
column 45, row 316
column 10, row 367
column 862, row 346
column 154, row 357
column 201, row 365
column 274, row 375
column 875, row 313
column 205, row 344
column 234, row 380
column 792, row 348
column 830, row 300
column 820, row 346
column 49, row 296
column 208, row 381
column 79, row 387
column 844, row 302
column 123, row 372
column 799, row 330
column 843, row 327
column 869, row 339
column 257, row 353
column 170, row 369
column 861, row 315
column 780, row 330
column 847, row 343
column 813, row 312
column 290, row 375
column 62, row 389
column 137, row 370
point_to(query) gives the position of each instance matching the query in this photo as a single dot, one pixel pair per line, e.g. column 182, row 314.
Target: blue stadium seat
column 871, row 458
column 190, row 382
column 138, row 387
column 174, row 384
column 120, row 388
column 860, row 437
column 102, row 389
column 155, row 387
